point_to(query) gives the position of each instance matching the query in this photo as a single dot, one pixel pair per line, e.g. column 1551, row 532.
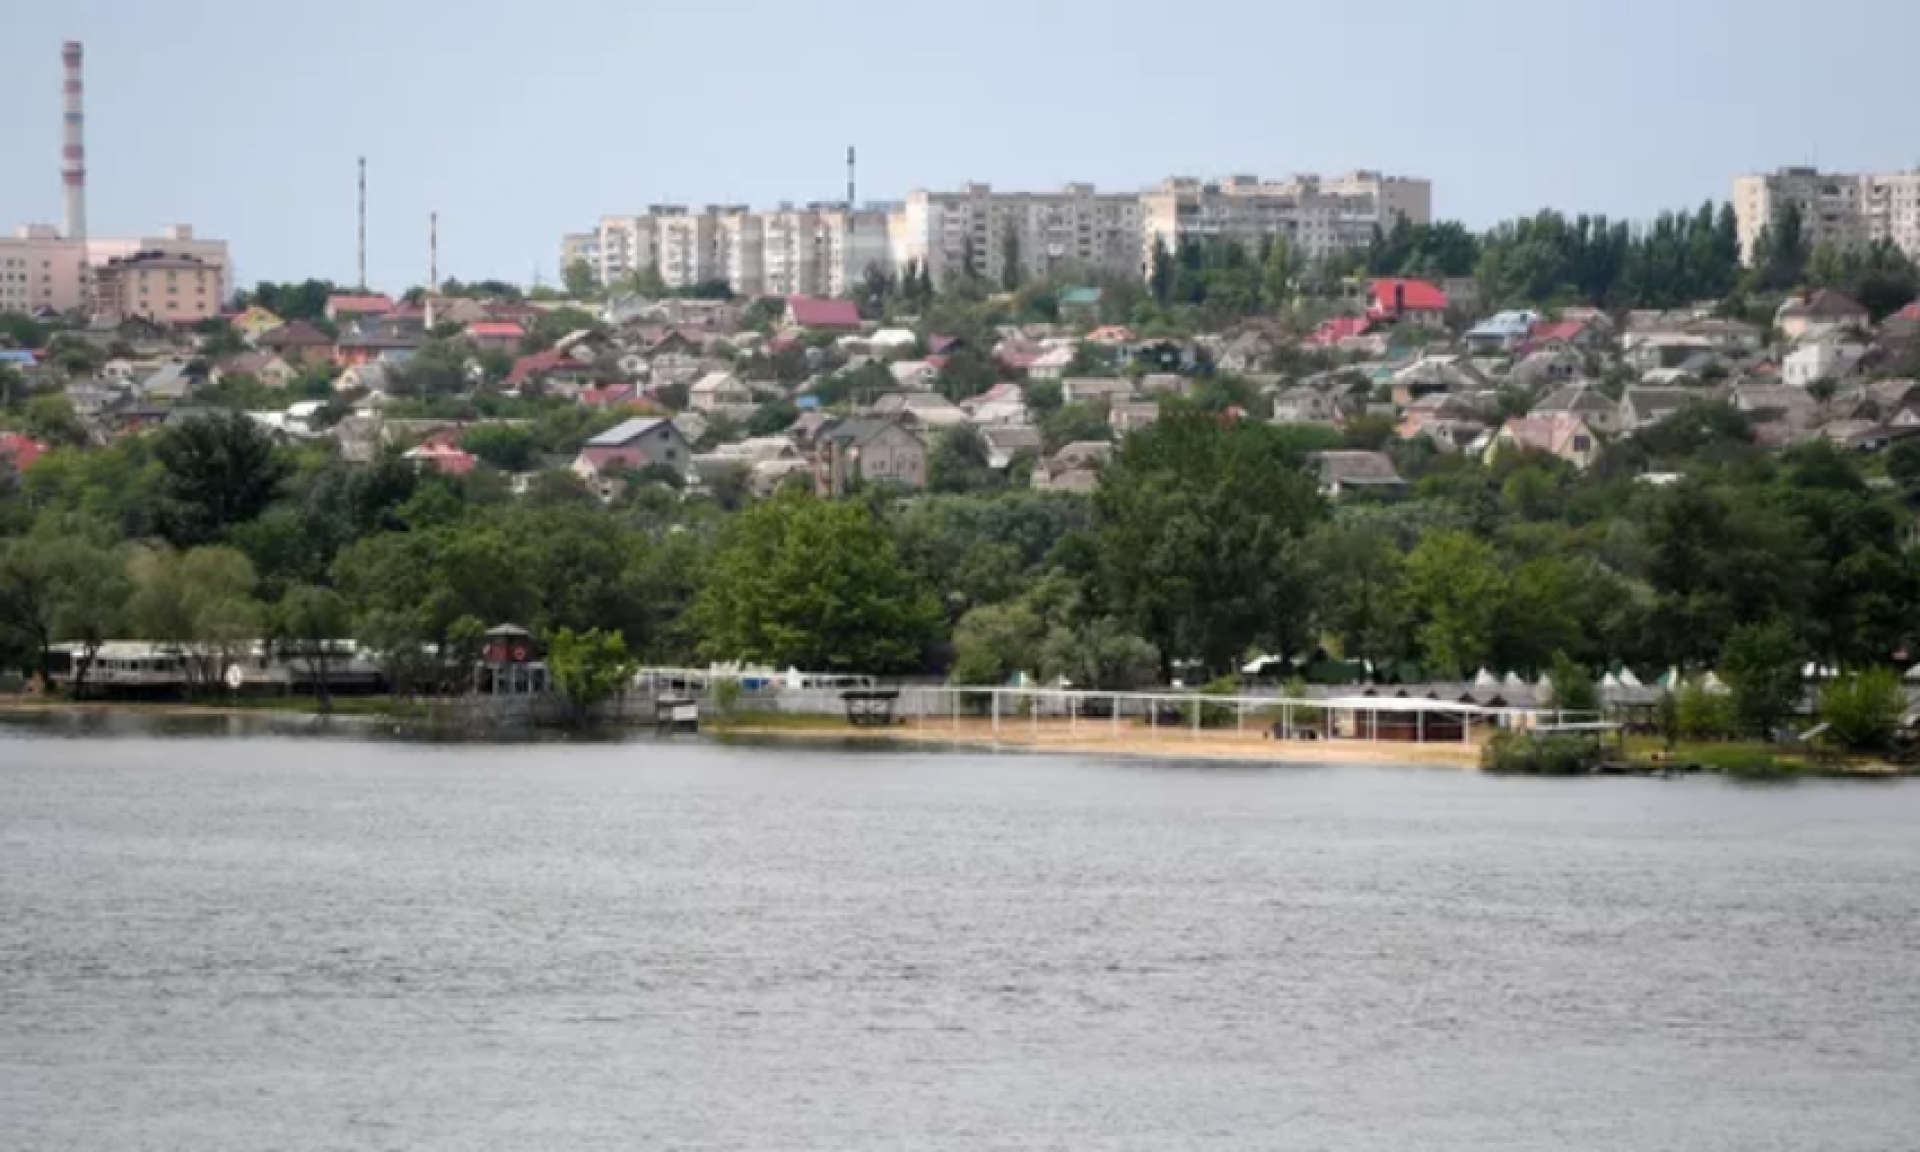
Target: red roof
column 1910, row 313
column 497, row 329
column 1392, row 296
column 444, row 458
column 606, row 397
column 298, row 334
column 22, row 451
column 548, row 363
column 812, row 312
column 1548, row 331
column 1340, row 328
column 360, row 305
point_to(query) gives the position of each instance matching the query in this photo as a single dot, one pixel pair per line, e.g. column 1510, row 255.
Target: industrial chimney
column 74, row 168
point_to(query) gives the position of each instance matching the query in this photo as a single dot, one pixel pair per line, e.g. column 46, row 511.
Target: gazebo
column 510, row 664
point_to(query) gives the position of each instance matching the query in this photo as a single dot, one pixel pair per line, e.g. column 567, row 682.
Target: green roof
column 1083, row 297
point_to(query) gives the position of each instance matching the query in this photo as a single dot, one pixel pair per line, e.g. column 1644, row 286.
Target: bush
column 1704, row 714
column 1523, row 754
column 1863, row 710
column 1216, row 715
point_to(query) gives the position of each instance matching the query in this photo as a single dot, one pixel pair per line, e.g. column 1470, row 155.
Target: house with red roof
column 495, row 335
column 1561, row 434
column 609, row 396
column 297, row 343
column 551, row 371
column 815, row 313
column 1407, row 301
column 446, row 459
column 349, row 307
column 19, row 452
column 1332, row 333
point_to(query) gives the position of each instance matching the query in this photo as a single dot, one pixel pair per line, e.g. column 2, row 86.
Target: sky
column 520, row 121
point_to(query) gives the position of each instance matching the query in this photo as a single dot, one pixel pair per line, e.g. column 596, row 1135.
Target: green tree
column 1454, row 585
column 1010, row 266
column 580, row 282
column 1863, row 710
column 1278, row 272
column 1573, row 687
column 508, row 447
column 959, row 462
column 50, row 419
column 308, row 626
column 589, row 668
column 1100, row 655
column 217, row 472
column 200, row 603
column 807, row 583
column 1200, row 526
column 1761, row 664
column 995, row 642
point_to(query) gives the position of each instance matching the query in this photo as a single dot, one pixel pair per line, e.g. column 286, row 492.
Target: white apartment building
column 1320, row 218
column 823, row 249
column 1046, row 233
column 816, row 250
column 1839, row 209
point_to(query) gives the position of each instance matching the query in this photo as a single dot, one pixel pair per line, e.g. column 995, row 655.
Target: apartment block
column 1077, row 229
column 163, row 287
column 823, row 249
column 39, row 269
column 1845, row 210
column 1320, row 218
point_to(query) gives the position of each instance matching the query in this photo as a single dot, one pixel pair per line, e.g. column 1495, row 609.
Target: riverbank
column 1098, row 738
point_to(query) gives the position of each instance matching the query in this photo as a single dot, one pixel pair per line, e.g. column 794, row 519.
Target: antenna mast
column 363, row 223
column 433, row 264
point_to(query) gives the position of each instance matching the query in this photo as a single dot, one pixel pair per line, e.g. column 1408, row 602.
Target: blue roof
column 17, row 356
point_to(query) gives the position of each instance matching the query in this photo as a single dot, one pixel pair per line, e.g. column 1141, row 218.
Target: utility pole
column 363, row 224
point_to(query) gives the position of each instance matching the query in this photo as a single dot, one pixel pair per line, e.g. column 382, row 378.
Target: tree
column 508, row 447
column 959, row 463
column 589, row 668
column 1761, row 664
column 1010, row 269
column 1278, row 272
column 308, row 625
column 1200, row 526
column 1454, row 583
column 1100, row 656
column 579, row 280
column 199, row 603
column 1573, row 687
column 1863, row 710
column 91, row 605
column 806, row 583
column 995, row 642
column 51, row 420
column 218, row 471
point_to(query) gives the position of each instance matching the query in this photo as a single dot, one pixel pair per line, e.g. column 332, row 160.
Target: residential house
column 1074, row 468
column 1436, row 408
column 1436, row 373
column 643, row 442
column 253, row 322
column 914, row 375
column 1729, row 336
column 1126, row 416
column 365, row 345
column 553, row 372
column 608, row 396
column 693, row 426
column 1592, row 406
column 1080, row 305
column 806, row 430
column 1548, row 367
column 1902, row 326
column 1004, row 403
column 343, row 309
column 1165, row 384
column 1500, row 332
column 866, row 450
column 442, row 452
column 369, row 378
column 1820, row 359
column 495, row 335
column 1577, row 330
column 1819, row 314
column 297, row 342
column 820, row 315
column 1006, row 441
column 1653, row 351
column 1088, row 389
column 1340, row 331
column 1565, row 436
column 1453, row 436
column 1112, row 336
column 1303, row 405
column 173, row 381
column 1049, row 365
column 1408, row 302
column 1346, row 472
column 1792, row 412
column 927, row 409
column 267, row 368
column 719, row 393
column 18, row 452
column 1644, row 407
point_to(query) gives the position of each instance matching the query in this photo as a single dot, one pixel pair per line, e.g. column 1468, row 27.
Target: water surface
column 276, row 943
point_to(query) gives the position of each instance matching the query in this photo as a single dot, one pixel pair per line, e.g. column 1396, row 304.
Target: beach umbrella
column 1486, row 679
column 1513, row 681
column 1629, row 680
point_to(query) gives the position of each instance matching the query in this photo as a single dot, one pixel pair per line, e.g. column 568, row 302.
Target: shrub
column 1704, row 714
column 1524, row 754
column 1863, row 710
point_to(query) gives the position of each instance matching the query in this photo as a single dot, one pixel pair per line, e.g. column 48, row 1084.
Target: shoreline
column 1090, row 739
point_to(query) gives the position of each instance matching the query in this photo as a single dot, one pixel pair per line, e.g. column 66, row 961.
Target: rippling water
column 271, row 943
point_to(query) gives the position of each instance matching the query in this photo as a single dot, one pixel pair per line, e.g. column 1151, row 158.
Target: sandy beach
column 1099, row 738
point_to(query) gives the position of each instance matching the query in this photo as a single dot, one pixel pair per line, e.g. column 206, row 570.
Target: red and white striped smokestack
column 74, row 167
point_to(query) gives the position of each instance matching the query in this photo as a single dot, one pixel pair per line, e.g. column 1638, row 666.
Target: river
column 217, row 941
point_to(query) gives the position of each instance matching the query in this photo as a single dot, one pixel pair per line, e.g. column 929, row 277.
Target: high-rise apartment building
column 163, row 287
column 1077, row 229
column 1843, row 210
column 1320, row 218
column 40, row 268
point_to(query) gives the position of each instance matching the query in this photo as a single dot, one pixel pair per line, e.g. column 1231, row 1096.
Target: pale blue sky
column 519, row 121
